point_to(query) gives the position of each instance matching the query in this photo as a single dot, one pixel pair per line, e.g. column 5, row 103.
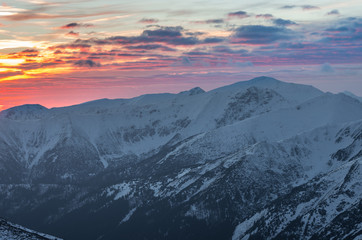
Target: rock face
column 261, row 159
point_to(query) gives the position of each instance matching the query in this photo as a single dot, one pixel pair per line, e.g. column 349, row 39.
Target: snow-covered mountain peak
column 265, row 80
column 193, row 91
column 292, row 92
column 24, row 112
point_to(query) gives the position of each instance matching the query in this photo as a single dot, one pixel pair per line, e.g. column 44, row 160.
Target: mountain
column 260, row 159
column 352, row 95
column 15, row 232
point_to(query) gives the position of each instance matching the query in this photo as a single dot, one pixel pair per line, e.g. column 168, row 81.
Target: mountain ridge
column 257, row 81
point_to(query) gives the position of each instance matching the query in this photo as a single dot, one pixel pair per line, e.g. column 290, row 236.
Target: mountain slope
column 324, row 207
column 10, row 231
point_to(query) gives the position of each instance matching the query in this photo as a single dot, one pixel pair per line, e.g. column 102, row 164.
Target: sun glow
column 2, row 70
column 11, row 62
column 16, row 44
column 54, row 70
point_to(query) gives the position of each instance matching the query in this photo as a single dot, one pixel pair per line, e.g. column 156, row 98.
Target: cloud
column 347, row 32
column 75, row 25
column 303, row 7
column 333, row 12
column 216, row 21
column 164, row 32
column 266, row 16
column 288, row 7
column 167, row 35
column 30, row 51
column 283, row 22
column 10, row 74
column 338, row 29
column 195, row 34
column 38, row 13
column 70, row 46
column 226, row 49
column 259, row 34
column 288, row 45
column 148, row 20
column 244, row 64
column 28, row 15
column 213, row 40
column 73, row 34
column 186, row 61
column 86, row 63
column 70, row 25
column 239, row 14
column 326, row 68
column 46, row 3
column 197, row 53
column 210, row 21
column 309, row 7
column 150, row 47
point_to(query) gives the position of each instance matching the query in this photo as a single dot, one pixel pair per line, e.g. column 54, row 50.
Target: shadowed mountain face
column 261, row 159
column 10, row 231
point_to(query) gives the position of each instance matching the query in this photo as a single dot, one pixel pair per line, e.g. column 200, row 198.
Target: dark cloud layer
column 75, row 25
column 75, row 45
column 266, row 16
column 228, row 50
column 283, row 22
column 333, row 12
column 210, row 21
column 259, row 34
column 30, row 51
column 347, row 31
column 148, row 20
column 291, row 45
column 86, row 63
column 73, row 34
column 150, row 47
column 168, row 35
column 239, row 14
column 304, row 7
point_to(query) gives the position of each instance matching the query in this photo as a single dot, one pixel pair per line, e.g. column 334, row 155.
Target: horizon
column 58, row 53
column 175, row 93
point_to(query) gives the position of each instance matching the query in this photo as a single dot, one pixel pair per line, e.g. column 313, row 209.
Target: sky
column 60, row 52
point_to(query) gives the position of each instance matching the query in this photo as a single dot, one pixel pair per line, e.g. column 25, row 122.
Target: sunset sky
column 60, row 52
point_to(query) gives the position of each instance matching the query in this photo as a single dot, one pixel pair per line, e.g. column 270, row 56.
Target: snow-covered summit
column 24, row 112
column 291, row 91
column 265, row 80
column 193, row 91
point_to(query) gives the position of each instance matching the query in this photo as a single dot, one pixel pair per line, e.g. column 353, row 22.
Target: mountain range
column 258, row 159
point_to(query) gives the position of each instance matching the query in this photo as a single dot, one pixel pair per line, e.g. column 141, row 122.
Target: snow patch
column 246, row 225
column 128, row 216
column 119, row 190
